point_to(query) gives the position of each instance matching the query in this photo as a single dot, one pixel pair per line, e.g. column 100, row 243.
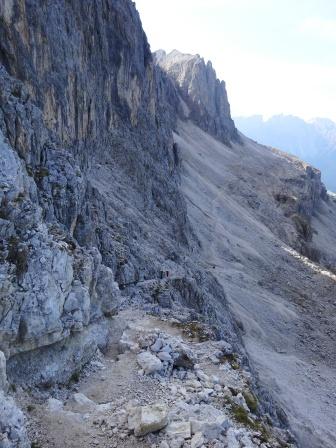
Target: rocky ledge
column 170, row 384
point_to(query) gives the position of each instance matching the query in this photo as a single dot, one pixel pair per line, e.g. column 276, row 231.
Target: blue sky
column 276, row 56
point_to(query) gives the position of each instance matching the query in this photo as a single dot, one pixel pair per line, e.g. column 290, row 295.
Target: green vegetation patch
column 196, row 331
column 251, row 401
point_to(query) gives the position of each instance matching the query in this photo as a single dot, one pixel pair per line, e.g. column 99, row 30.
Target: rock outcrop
column 48, row 286
column 203, row 96
column 80, row 108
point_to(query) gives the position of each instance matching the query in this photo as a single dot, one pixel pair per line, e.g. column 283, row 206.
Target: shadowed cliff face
column 72, row 55
column 88, row 67
column 88, row 152
column 90, row 198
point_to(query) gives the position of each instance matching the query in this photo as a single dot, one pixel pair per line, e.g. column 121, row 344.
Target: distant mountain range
column 313, row 141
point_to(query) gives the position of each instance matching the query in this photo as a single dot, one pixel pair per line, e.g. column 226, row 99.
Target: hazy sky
column 276, row 56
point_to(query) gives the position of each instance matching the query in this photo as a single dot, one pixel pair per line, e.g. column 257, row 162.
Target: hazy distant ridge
column 313, row 141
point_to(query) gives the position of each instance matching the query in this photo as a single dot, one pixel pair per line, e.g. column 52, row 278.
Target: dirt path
column 206, row 396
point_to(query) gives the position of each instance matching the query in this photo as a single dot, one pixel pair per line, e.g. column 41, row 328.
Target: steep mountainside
column 284, row 302
column 90, row 202
column 313, row 141
column 203, row 96
column 119, row 173
column 98, row 126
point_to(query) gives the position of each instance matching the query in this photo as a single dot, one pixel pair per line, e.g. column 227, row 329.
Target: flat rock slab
column 146, row 419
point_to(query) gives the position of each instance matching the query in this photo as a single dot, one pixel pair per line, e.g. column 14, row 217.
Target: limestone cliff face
column 48, row 283
column 204, row 96
column 73, row 54
column 87, row 160
column 91, row 209
column 89, row 199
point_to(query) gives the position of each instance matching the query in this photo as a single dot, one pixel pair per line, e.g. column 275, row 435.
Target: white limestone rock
column 149, row 362
column 164, row 444
column 240, row 400
column 179, row 429
column 145, row 419
column 164, row 356
column 211, row 428
column 12, row 424
column 156, row 347
column 177, row 443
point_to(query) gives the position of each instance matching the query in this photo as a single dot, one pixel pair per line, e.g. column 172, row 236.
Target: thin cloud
column 323, row 28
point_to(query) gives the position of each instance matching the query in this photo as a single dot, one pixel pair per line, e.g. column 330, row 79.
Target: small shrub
column 241, row 415
column 282, row 198
column 251, row 401
column 18, row 255
column 231, row 358
column 40, row 173
column 75, row 377
column 196, row 331
column 35, row 444
column 303, row 227
column 20, row 197
column 30, row 170
column 30, row 408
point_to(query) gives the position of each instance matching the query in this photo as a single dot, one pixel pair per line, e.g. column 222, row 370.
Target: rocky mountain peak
column 204, row 95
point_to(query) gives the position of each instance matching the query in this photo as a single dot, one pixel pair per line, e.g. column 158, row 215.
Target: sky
column 276, row 56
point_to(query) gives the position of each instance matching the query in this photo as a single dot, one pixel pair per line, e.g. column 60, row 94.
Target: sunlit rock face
column 204, row 95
